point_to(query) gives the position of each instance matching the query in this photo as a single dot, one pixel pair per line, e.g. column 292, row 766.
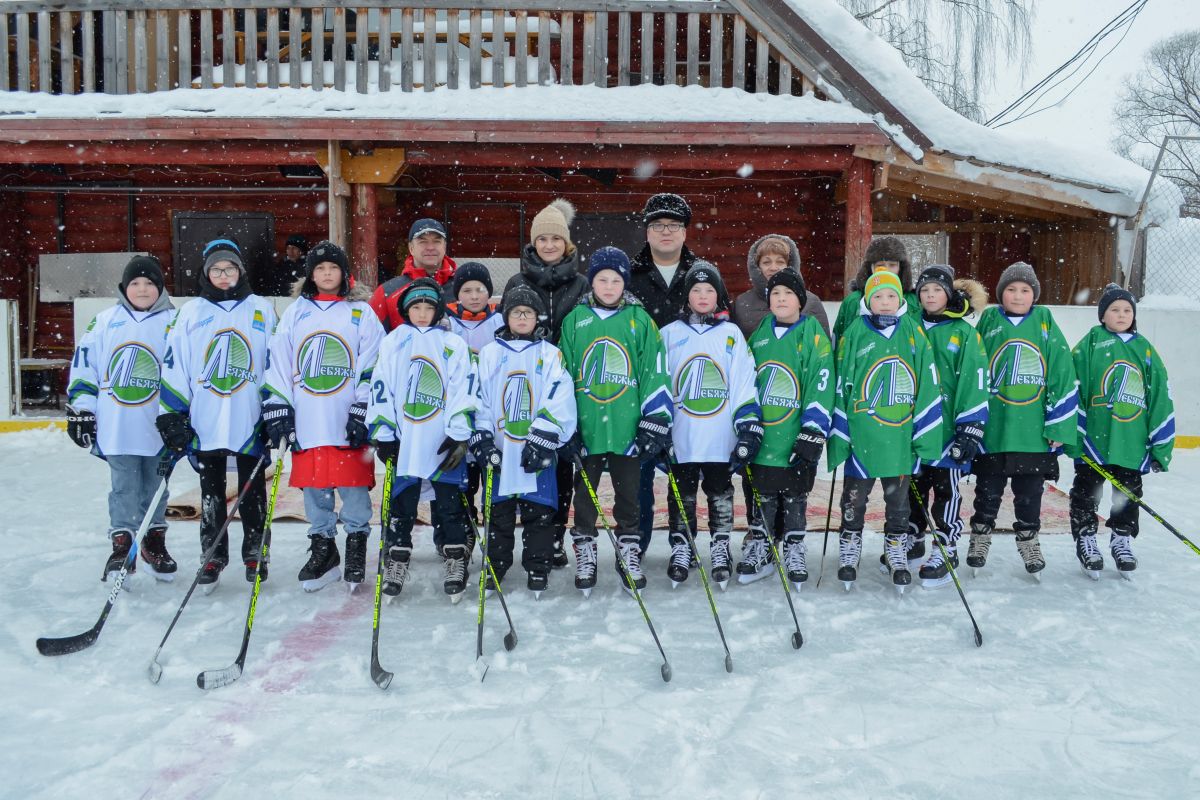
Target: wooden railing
column 83, row 46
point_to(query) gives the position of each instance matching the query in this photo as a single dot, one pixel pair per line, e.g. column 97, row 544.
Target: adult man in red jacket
column 426, row 259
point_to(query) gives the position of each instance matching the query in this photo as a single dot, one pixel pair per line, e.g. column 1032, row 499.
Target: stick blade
column 978, row 638
column 382, row 678
column 510, row 640
column 797, row 640
column 216, row 678
column 61, row 646
column 728, row 663
column 665, row 671
column 154, row 671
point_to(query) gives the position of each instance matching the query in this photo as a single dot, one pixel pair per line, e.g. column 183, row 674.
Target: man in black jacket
column 657, row 270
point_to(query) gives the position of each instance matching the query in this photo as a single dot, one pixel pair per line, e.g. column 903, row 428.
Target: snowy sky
column 1061, row 28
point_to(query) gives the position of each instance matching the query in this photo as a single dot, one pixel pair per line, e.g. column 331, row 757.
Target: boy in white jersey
column 423, row 394
column 210, row 401
column 526, row 412
column 113, row 397
column 315, row 398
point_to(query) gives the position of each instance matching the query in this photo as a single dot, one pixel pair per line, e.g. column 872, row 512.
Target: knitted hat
column 941, row 274
column 522, row 295
column 613, row 258
column 223, row 250
column 667, row 206
column 150, row 268
column 879, row 280
column 553, row 220
column 325, row 251
column 470, row 271
column 296, row 240
column 1112, row 293
column 423, row 290
column 426, row 225
column 702, row 271
column 1019, row 271
column 791, row 279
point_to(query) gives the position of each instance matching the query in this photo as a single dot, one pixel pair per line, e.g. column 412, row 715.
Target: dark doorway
column 590, row 232
column 191, row 230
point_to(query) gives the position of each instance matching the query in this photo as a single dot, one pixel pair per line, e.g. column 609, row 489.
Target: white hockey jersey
column 476, row 332
column 213, row 370
column 115, row 375
column 322, row 355
column 422, row 391
column 712, row 385
column 523, row 386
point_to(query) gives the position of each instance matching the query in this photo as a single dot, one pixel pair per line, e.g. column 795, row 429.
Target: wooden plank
column 499, row 48
column 566, row 49
column 647, row 47
column 339, row 49
column 624, row 34
column 361, row 43
column 589, row 48
column 602, row 49
column 545, row 68
column 185, row 52
column 162, row 50
column 272, row 48
column 122, row 36
column 716, row 50
column 316, row 46
column 693, row 49
column 66, row 51
column 45, row 52
column 670, row 66
column 452, row 34
column 141, row 61
column 636, row 6
column 109, row 49
column 785, row 75
column 858, row 178
column 475, row 48
column 24, row 81
column 4, row 54
column 385, row 49
column 739, row 52
column 228, row 48
column 407, row 50
column 295, row 24
column 762, row 55
column 429, row 51
column 250, row 49
column 521, row 47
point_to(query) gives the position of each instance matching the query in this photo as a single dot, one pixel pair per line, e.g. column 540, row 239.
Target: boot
column 756, row 559
column 1031, row 552
column 935, row 572
column 122, row 543
column 849, row 553
column 455, row 570
column 154, row 555
column 395, row 569
column 537, row 582
column 1121, row 547
column 322, row 568
column 559, row 559
column 721, row 558
column 211, row 572
column 896, row 550
column 981, row 542
column 794, row 559
column 1088, row 553
column 585, row 562
column 681, row 560
column 630, row 558
column 356, row 558
column 251, row 552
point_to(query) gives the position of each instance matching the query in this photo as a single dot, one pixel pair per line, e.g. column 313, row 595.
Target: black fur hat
column 886, row 248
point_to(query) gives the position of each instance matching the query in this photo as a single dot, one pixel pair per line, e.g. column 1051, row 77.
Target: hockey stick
column 510, row 638
column 665, row 669
column 1125, row 491
column 797, row 637
column 50, row 646
column 154, row 669
column 214, row 678
column 382, row 678
column 687, row 529
column 937, row 539
column 828, row 517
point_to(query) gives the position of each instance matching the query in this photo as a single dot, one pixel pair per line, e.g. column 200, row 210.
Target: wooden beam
column 159, row 153
column 718, row 159
column 858, row 179
column 966, row 195
column 338, row 192
column 364, row 257
column 381, row 166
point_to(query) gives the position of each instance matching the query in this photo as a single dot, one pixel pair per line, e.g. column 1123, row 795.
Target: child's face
column 421, row 314
column 223, row 275
column 1017, row 298
column 142, row 293
column 770, row 263
column 473, row 296
column 328, row 277
column 608, row 286
column 884, row 301
column 933, row 298
column 785, row 305
column 550, row 248
column 891, row 266
column 522, row 320
column 702, row 299
column 1119, row 316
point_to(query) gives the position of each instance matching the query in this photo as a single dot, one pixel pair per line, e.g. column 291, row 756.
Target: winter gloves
column 965, row 444
column 653, row 438
column 455, row 452
column 483, row 447
column 540, row 452
column 356, row 426
column 806, row 452
column 387, row 451
column 279, row 421
column 750, row 436
column 81, row 427
column 175, row 431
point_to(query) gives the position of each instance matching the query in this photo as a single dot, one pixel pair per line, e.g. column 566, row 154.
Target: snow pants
column 783, row 493
column 1088, row 490
column 944, row 506
column 625, row 473
column 537, row 535
column 856, row 491
column 212, row 465
column 449, row 515
column 135, row 479
column 1027, row 501
column 716, row 481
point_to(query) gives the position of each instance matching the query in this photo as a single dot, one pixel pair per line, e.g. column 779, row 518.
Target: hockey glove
column 356, row 426
column 653, row 438
column 455, row 452
column 573, row 447
column 806, row 452
column 965, row 444
column 540, row 451
column 483, row 447
column 387, row 451
column 279, row 421
column 750, row 436
column 175, row 431
column 1155, row 466
column 81, row 427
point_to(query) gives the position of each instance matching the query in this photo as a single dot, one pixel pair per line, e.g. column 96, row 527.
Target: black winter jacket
column 560, row 286
column 663, row 303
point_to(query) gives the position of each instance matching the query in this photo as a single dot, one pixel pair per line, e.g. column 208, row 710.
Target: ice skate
column 493, row 580
column 559, row 558
column 756, row 559
column 896, row 550
column 935, row 572
column 454, row 568
column 1031, row 553
column 585, row 563
column 1121, row 547
column 122, row 543
column 395, row 570
column 356, row 560
column 849, row 552
column 681, row 562
column 154, row 556
column 1088, row 553
column 630, row 558
column 981, row 542
column 794, row 560
column 916, row 554
column 537, row 582
column 720, row 558
column 324, row 564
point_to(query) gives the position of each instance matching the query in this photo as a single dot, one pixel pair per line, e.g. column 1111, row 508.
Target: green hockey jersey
column 888, row 410
column 617, row 360
column 962, row 374
column 851, row 308
column 1126, row 416
column 1032, row 382
column 795, row 383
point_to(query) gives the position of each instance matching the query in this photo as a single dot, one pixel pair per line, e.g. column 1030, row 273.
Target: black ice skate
column 1121, row 547
column 721, row 558
column 681, row 561
column 356, row 560
column 559, row 558
column 154, row 556
column 981, row 543
column 537, row 582
column 585, row 562
column 896, row 550
column 122, row 543
column 935, row 572
column 795, row 553
column 1031, row 553
column 324, row 564
column 1088, row 553
column 756, row 559
column 849, row 553
column 629, row 560
column 395, row 570
column 455, row 571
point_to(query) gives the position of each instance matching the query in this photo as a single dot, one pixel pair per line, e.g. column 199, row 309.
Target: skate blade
column 975, row 571
column 161, row 577
column 723, row 584
column 455, row 599
column 754, row 576
column 352, row 587
column 587, row 592
column 209, row 588
column 629, row 590
column 112, row 576
column 848, row 585
column 1126, row 575
column 798, row 585
column 487, row 593
column 937, row 583
column 388, row 598
column 1094, row 574
column 675, row 584
column 537, row 594
column 317, row 584
column 1037, row 576
column 900, row 587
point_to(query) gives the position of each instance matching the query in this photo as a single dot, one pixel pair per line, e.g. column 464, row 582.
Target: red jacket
column 386, row 299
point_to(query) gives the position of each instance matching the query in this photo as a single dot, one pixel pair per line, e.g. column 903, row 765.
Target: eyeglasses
column 226, row 272
column 666, row 227
column 523, row 314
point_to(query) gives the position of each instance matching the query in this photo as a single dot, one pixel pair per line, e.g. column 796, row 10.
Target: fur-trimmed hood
column 975, row 293
column 357, row 290
column 756, row 277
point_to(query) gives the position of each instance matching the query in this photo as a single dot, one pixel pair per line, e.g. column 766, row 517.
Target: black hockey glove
column 357, row 434
column 483, row 447
column 175, row 431
column 540, row 451
column 387, row 451
column 1155, row 466
column 81, row 427
column 455, row 452
column 806, row 452
column 279, row 421
column 750, row 436
column 572, row 448
column 965, row 444
column 653, row 438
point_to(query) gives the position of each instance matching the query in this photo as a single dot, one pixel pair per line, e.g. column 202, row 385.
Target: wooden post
column 859, row 178
column 364, row 257
column 338, row 191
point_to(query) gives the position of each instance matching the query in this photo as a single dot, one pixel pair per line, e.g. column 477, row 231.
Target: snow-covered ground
column 1081, row 689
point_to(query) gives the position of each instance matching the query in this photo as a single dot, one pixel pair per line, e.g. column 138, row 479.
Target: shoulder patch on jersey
column 355, row 316
column 92, row 324
column 954, row 343
column 729, row 342
column 259, row 323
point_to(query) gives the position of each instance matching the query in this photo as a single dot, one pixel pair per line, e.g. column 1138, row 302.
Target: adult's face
column 666, row 238
column 427, row 251
column 292, row 252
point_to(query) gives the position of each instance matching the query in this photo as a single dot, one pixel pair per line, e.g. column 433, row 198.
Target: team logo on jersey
column 517, row 400
column 323, row 363
column 1018, row 372
column 133, row 374
column 228, row 363
column 701, row 387
column 888, row 392
column 425, row 395
column 778, row 392
column 605, row 373
column 1123, row 391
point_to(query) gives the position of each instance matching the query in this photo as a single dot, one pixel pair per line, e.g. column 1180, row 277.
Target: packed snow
column 1080, row 689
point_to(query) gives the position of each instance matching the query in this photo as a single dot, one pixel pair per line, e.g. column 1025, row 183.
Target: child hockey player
column 423, row 394
column 526, row 412
column 886, row 253
column 614, row 354
column 962, row 369
column 795, row 383
column 113, row 397
column 212, row 374
column 712, row 378
column 1126, row 425
column 315, row 398
column 1031, row 413
column 887, row 417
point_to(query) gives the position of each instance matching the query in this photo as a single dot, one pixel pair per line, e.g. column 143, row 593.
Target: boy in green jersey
column 795, row 385
column 614, row 353
column 887, row 253
column 1031, row 414
column 887, row 418
column 1126, row 422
